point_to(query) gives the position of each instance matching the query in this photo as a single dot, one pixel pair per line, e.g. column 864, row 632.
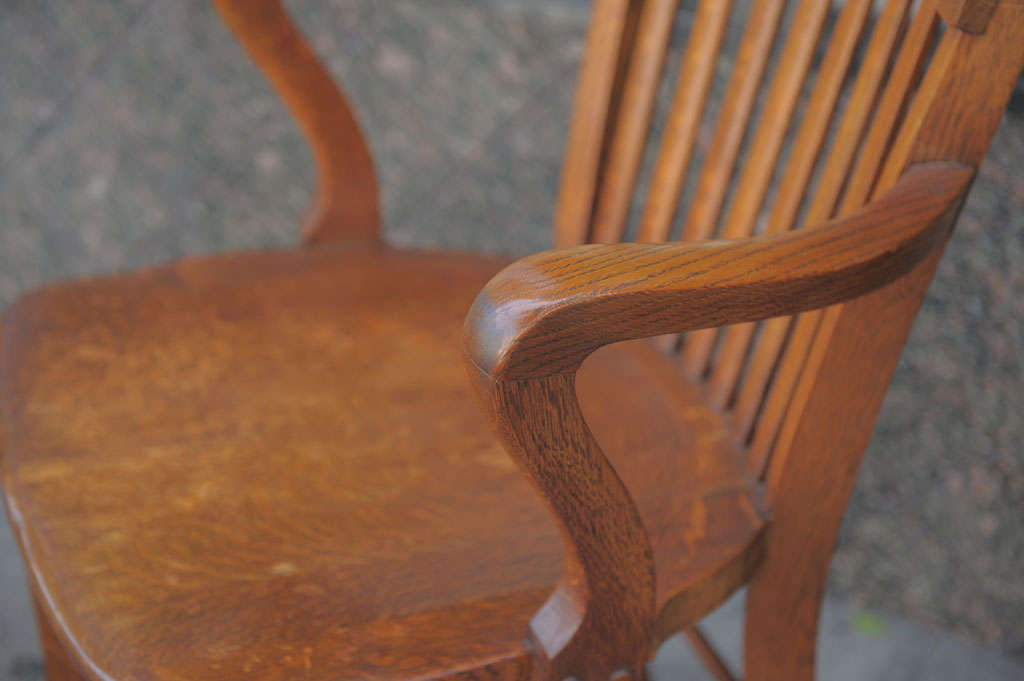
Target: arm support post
column 537, row 320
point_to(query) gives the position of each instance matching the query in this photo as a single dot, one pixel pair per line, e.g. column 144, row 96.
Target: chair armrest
column 544, row 314
column 536, row 321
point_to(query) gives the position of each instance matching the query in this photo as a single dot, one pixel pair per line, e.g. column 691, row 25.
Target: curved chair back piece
column 868, row 126
column 347, row 204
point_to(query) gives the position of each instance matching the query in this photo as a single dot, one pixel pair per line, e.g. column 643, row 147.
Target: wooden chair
column 269, row 466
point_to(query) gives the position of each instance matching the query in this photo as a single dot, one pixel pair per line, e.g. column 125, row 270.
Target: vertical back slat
column 737, row 108
column 818, row 116
column 801, row 45
column 905, row 75
column 885, row 39
column 688, row 105
column 609, row 44
column 898, row 91
column 866, row 91
column 632, row 126
column 797, row 175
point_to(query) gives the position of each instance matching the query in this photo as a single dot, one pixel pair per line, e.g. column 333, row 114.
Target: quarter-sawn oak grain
column 270, row 465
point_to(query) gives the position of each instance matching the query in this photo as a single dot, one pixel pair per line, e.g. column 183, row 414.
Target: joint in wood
column 970, row 16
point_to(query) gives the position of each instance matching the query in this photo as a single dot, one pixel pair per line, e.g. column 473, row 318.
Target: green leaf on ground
column 868, row 624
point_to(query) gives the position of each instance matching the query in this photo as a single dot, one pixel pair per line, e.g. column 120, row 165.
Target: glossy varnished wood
column 270, row 465
column 535, row 322
column 594, row 115
column 906, row 72
column 688, row 106
column 836, row 402
column 634, row 116
column 544, row 314
column 312, row 489
column 796, row 178
column 850, row 134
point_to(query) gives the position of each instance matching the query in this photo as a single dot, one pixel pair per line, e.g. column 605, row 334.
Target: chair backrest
column 822, row 106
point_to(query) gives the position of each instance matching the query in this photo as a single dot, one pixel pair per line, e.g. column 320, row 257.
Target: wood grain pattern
column 737, row 108
column 268, row 465
column 892, row 107
column 760, row 164
column 632, row 125
column 954, row 116
column 536, row 321
column 545, row 313
column 312, row 487
column 688, row 105
column 347, row 199
column 716, row 178
column 796, row 177
column 609, row 48
column 784, row 597
column 848, row 138
column 906, row 71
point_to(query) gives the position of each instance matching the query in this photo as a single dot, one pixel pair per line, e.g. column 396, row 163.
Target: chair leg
column 781, row 634
column 59, row 665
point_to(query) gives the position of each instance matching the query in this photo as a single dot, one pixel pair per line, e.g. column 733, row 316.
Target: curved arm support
column 544, row 314
column 537, row 320
column 346, row 207
column 598, row 619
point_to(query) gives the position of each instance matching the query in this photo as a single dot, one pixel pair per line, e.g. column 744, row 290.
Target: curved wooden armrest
column 536, row 321
column 545, row 313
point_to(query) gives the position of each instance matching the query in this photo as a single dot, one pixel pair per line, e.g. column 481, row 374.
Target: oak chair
column 268, row 465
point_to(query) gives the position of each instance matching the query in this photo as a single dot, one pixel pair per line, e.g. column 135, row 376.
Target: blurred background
column 133, row 132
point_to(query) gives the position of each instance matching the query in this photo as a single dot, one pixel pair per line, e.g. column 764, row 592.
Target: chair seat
column 271, row 466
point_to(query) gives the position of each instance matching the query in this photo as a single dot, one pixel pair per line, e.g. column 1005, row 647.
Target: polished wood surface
column 954, row 116
column 688, row 106
column 634, row 117
column 788, row 366
column 283, row 448
column 851, row 132
column 535, row 322
column 272, row 465
column 601, row 77
column 799, row 168
column 544, row 314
